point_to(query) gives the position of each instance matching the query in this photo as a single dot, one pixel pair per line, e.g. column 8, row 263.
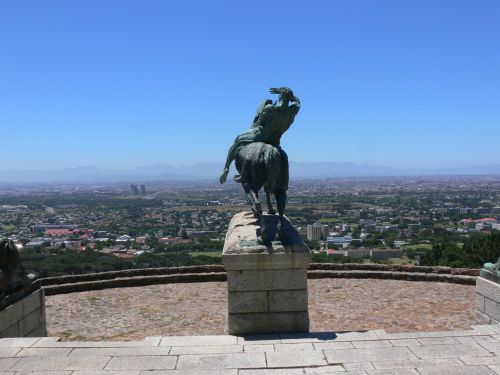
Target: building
column 143, row 189
column 314, row 232
column 317, row 232
column 134, row 189
column 339, row 241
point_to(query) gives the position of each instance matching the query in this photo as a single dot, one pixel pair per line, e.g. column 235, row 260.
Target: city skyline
column 120, row 86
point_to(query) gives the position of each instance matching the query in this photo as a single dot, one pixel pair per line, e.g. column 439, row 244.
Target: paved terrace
column 469, row 352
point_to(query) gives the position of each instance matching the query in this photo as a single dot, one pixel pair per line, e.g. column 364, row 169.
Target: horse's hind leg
column 281, row 203
column 253, row 201
column 270, row 208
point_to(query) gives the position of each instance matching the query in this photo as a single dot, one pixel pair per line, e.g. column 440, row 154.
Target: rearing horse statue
column 260, row 160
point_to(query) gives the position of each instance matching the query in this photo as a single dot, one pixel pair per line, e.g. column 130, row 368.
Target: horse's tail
column 272, row 160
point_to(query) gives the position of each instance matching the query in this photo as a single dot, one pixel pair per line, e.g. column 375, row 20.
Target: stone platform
column 267, row 284
column 471, row 352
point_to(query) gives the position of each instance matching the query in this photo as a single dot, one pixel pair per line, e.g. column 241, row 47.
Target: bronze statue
column 493, row 267
column 260, row 160
column 12, row 274
column 269, row 124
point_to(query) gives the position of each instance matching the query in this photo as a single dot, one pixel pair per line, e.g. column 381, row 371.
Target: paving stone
column 120, row 352
column 258, row 348
column 486, row 329
column 474, row 339
column 276, row 371
column 413, row 363
column 456, row 370
column 332, row 369
column 136, row 372
column 43, row 352
column 495, row 368
column 7, row 363
column 489, row 360
column 399, row 371
column 221, row 361
column 333, row 345
column 323, row 337
column 437, row 341
column 198, row 340
column 493, row 347
column 188, row 372
column 404, row 342
column 369, row 354
column 9, row 352
column 18, row 342
column 293, row 347
column 60, row 363
column 53, row 372
column 350, row 366
column 295, row 359
column 145, row 362
column 52, row 342
column 444, row 351
column 371, row 344
column 206, row 349
column 273, row 338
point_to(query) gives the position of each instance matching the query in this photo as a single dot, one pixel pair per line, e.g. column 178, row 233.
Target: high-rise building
column 325, row 232
column 134, row 189
column 314, row 232
column 143, row 189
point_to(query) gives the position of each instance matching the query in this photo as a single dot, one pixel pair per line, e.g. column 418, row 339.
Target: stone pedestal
column 23, row 314
column 267, row 285
column 488, row 297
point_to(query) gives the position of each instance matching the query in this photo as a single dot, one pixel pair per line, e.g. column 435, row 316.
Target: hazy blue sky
column 131, row 83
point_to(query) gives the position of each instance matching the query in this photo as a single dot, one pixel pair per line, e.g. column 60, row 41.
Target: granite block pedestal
column 488, row 296
column 267, row 285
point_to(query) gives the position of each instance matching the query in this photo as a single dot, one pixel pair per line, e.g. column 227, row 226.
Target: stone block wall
column 25, row 317
column 488, row 300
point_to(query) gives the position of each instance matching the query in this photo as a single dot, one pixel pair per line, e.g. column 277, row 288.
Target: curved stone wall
column 195, row 274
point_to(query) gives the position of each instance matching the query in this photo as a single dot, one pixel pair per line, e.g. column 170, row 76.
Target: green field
column 206, row 253
column 329, row 220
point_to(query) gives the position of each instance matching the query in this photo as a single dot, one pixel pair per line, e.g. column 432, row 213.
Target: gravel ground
column 200, row 309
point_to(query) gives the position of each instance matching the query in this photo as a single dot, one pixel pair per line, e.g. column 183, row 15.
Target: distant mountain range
column 213, row 170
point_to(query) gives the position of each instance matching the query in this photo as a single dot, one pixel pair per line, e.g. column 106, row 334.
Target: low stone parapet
column 24, row 317
column 488, row 297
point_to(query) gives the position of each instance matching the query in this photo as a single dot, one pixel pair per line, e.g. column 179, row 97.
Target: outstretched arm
column 295, row 104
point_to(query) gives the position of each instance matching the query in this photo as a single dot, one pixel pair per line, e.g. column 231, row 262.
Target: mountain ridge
column 92, row 173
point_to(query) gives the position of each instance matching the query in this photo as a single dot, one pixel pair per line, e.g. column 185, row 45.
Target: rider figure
column 269, row 124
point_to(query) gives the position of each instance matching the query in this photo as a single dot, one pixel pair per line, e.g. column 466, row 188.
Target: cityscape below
column 80, row 228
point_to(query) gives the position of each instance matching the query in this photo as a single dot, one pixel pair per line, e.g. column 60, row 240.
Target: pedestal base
column 267, row 286
column 487, row 298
